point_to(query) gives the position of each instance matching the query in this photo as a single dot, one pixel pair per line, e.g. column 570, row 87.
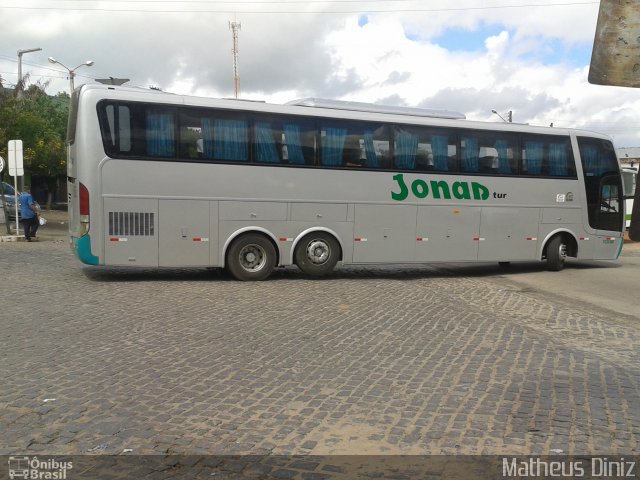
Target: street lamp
column 510, row 114
column 20, row 53
column 72, row 71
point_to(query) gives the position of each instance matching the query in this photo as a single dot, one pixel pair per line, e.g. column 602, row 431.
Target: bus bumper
column 82, row 248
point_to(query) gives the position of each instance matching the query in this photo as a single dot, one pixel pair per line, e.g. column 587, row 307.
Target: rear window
column 73, row 118
column 138, row 130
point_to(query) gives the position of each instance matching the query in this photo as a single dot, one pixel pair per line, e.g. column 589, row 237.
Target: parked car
column 10, row 198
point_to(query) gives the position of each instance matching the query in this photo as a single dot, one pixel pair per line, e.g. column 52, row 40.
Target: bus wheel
column 556, row 253
column 317, row 253
column 251, row 257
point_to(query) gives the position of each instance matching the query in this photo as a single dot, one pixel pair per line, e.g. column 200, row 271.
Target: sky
column 530, row 57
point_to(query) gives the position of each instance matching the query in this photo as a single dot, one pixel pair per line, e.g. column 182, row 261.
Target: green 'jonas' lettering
column 439, row 189
column 480, row 192
column 404, row 191
column 461, row 191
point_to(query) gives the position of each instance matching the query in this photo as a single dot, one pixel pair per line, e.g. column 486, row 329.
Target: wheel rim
column 562, row 252
column 318, row 252
column 252, row 257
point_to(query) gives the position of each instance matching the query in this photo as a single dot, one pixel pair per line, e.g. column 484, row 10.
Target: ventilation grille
column 129, row 224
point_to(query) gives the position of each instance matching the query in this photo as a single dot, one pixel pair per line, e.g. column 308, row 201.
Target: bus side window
column 298, row 143
column 160, row 132
column 443, row 150
column 353, row 155
column 354, row 145
column 547, row 155
column 470, row 154
column 506, row 161
column 332, row 146
column 267, row 142
column 405, row 148
column 191, row 143
column 532, row 156
column 489, row 153
column 560, row 160
column 228, row 138
column 375, row 144
column 436, row 150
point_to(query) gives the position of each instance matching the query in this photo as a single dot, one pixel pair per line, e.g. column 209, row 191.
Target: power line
column 273, row 3
column 30, row 64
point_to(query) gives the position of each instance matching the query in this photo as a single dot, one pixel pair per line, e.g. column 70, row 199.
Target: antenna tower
column 235, row 27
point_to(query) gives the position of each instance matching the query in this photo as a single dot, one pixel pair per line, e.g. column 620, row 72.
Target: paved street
column 411, row 360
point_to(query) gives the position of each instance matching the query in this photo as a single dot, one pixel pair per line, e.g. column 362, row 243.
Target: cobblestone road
column 411, row 360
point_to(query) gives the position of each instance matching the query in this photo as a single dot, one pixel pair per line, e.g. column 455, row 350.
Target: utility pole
column 235, row 27
column 20, row 86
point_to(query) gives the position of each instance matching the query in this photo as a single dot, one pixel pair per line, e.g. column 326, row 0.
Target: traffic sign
column 2, row 163
column 16, row 168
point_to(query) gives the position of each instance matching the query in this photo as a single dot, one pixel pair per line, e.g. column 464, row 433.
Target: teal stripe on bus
column 82, row 247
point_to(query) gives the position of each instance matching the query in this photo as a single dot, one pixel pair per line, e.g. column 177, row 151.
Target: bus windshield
column 603, row 184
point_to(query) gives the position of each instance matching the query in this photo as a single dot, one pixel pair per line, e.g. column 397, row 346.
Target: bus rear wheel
column 251, row 257
column 556, row 253
column 317, row 254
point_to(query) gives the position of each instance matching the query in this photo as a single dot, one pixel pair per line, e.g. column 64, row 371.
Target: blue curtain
column 470, row 155
column 294, row 145
column 590, row 160
column 370, row 150
column 504, row 168
column 558, row 159
column 440, row 150
column 534, row 152
column 265, row 146
column 406, row 150
column 333, row 145
column 230, row 140
column 207, row 137
column 160, row 134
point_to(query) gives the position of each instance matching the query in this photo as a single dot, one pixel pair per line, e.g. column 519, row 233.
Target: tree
column 40, row 121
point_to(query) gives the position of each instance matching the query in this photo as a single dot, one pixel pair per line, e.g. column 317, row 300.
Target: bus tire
column 317, row 254
column 556, row 253
column 251, row 257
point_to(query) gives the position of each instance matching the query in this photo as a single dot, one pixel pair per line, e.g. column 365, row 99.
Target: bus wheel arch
column 557, row 248
column 317, row 252
column 251, row 255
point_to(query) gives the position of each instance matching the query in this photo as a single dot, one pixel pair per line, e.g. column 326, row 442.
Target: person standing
column 29, row 213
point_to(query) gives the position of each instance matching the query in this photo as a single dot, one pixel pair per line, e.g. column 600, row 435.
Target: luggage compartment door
column 185, row 233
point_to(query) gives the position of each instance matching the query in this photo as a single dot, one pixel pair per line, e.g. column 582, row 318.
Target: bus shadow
column 521, row 268
column 115, row 274
column 367, row 272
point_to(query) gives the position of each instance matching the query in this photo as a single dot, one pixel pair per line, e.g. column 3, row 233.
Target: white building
column 629, row 156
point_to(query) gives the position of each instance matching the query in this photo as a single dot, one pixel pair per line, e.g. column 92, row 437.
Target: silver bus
column 163, row 180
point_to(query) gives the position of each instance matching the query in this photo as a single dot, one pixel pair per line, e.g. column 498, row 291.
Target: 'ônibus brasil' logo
column 439, row 189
